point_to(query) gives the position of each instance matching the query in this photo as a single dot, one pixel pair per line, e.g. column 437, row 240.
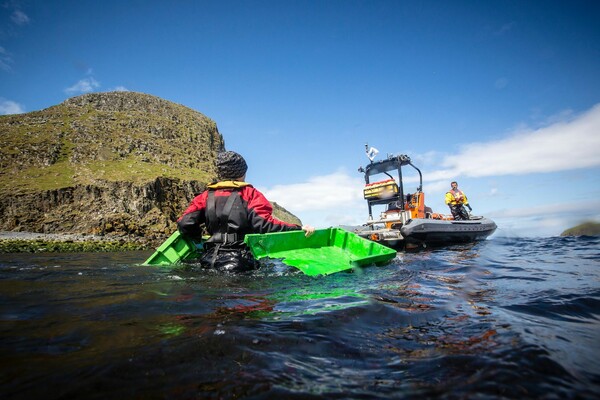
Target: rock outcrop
column 118, row 163
column 104, row 208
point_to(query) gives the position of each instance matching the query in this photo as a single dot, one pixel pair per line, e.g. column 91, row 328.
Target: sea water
column 503, row 318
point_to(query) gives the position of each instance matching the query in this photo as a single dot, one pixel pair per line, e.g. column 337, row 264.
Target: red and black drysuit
column 229, row 210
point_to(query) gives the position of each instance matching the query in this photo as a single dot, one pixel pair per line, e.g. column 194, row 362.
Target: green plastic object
column 325, row 252
column 173, row 250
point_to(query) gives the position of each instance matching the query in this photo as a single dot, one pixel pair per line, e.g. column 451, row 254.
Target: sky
column 501, row 96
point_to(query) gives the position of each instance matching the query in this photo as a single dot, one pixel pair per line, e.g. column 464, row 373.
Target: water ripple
column 504, row 318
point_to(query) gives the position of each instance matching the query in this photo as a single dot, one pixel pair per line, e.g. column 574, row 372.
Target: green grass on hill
column 589, row 228
column 63, row 174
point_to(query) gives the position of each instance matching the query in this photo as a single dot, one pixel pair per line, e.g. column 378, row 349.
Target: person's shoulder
column 251, row 191
column 203, row 193
column 253, row 195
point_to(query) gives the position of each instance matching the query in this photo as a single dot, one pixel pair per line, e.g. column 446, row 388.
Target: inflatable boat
column 406, row 222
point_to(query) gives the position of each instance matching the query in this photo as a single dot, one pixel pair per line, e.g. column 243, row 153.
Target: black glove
column 469, row 207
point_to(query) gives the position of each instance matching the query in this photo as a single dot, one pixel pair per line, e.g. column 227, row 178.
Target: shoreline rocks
column 32, row 242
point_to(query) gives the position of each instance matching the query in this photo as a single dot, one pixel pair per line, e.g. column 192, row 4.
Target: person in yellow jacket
column 457, row 201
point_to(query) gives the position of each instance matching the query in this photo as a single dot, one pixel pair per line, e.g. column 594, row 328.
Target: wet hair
column 230, row 165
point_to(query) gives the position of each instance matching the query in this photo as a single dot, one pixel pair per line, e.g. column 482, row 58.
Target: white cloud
column 5, row 59
column 120, row 89
column 550, row 210
column 570, row 143
column 546, row 219
column 328, row 192
column 329, row 200
column 19, row 17
column 10, row 107
column 438, row 186
column 85, row 85
column 341, row 215
column 336, row 199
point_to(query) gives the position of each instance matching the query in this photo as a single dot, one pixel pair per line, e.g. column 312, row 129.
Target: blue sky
column 502, row 96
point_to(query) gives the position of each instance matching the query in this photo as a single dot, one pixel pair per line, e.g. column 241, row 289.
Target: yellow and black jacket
column 456, row 197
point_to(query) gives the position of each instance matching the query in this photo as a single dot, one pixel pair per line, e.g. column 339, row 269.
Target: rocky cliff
column 118, row 163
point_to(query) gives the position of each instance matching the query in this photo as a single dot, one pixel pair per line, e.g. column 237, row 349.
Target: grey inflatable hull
column 434, row 232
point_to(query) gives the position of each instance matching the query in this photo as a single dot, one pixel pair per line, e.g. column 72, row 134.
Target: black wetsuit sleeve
column 189, row 225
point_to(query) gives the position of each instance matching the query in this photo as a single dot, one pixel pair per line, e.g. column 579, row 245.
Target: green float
column 325, row 252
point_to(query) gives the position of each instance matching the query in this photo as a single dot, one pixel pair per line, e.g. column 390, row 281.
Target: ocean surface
column 507, row 318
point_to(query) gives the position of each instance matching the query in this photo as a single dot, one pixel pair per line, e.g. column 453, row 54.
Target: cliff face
column 117, row 163
column 104, row 208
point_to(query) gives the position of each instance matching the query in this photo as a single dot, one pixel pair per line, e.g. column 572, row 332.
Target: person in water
column 229, row 210
column 457, row 200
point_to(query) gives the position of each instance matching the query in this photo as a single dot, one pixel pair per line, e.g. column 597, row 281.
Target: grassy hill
column 119, row 136
column 589, row 228
column 118, row 163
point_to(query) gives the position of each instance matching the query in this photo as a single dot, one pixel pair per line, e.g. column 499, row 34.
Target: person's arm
column 189, row 224
column 466, row 202
column 449, row 198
